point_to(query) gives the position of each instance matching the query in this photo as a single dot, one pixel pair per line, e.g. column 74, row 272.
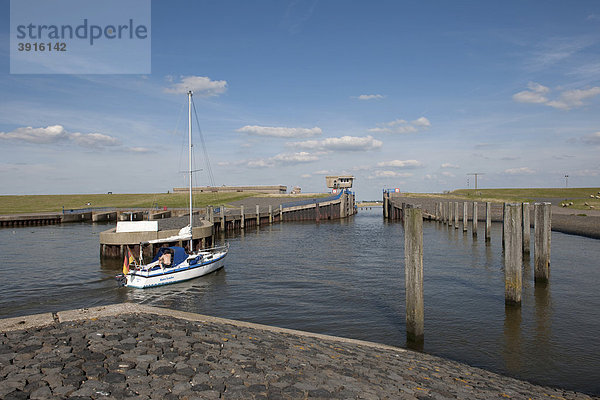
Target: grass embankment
column 578, row 196
column 55, row 203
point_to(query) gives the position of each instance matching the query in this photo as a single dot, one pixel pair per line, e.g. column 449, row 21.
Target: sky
column 414, row 95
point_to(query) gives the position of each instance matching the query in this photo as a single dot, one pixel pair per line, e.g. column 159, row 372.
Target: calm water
column 346, row 278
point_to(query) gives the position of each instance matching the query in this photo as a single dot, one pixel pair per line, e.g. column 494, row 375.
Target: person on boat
column 165, row 259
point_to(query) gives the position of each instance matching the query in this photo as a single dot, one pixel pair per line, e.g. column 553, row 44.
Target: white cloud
column 568, row 99
column 594, row 138
column 370, row 97
column 422, row 121
column 401, row 126
column 305, row 176
column 280, row 131
column 94, row 139
column 49, row 134
column 201, row 85
column 57, row 133
column 574, row 98
column 141, row 150
column 557, row 49
column 401, row 164
column 535, row 94
column 295, row 158
column 344, row 143
column 260, row 163
column 282, row 159
column 448, row 165
column 519, row 171
column 392, row 174
column 448, row 174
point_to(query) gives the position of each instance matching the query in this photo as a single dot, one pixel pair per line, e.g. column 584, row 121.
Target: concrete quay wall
column 113, row 244
column 131, row 350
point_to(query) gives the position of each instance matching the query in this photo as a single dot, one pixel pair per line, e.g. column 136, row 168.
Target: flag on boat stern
column 128, row 260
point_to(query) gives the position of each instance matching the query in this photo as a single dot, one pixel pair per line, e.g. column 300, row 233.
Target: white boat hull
column 149, row 277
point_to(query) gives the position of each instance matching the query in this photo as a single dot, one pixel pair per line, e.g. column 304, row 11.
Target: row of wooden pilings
column 516, row 230
column 516, row 243
column 229, row 222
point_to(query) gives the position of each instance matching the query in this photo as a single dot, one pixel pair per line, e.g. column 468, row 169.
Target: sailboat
column 173, row 264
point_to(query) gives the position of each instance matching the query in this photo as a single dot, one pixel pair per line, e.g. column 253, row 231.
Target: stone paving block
column 124, row 351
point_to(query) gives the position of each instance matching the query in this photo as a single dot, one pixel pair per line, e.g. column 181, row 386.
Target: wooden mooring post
column 543, row 217
column 386, row 201
column 513, row 254
column 242, row 218
column 413, row 273
column 450, row 214
column 488, row 221
column 270, row 214
column 526, row 229
column 475, row 217
column 223, row 218
column 444, row 214
column 257, row 215
column 465, row 216
column 503, row 214
column 281, row 213
column 456, row 215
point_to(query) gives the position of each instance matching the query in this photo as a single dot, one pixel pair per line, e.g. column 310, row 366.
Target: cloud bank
column 280, row 131
column 344, row 143
column 402, row 126
column 369, row 97
column 403, row 164
column 568, row 99
column 56, row 133
column 202, row 86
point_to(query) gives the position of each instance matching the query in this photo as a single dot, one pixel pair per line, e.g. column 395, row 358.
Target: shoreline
column 149, row 352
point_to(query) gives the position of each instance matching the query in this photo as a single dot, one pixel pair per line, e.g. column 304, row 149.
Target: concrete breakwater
column 89, row 215
column 130, row 350
column 213, row 221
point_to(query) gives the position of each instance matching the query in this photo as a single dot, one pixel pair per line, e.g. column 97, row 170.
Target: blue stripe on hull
column 176, row 271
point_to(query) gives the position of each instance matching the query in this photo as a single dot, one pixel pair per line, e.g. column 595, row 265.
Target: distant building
column 339, row 182
column 278, row 189
column 296, row 190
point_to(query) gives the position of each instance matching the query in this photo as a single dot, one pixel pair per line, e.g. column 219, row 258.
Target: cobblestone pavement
column 148, row 353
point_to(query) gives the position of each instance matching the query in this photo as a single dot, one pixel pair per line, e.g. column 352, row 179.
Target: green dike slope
column 55, row 203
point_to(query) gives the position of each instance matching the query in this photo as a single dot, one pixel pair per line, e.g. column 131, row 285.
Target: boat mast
column 190, row 166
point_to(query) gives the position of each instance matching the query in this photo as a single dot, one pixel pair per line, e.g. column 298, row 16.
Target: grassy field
column 45, row 203
column 579, row 196
column 55, row 203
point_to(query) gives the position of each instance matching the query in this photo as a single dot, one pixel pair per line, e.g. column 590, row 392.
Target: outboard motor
column 122, row 279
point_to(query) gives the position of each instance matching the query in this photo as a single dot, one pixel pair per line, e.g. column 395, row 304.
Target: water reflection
column 188, row 295
column 512, row 338
column 543, row 322
column 346, row 278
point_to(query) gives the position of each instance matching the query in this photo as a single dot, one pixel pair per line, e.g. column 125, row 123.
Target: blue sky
column 414, row 95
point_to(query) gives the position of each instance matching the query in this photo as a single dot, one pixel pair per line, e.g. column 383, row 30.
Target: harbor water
column 346, row 278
